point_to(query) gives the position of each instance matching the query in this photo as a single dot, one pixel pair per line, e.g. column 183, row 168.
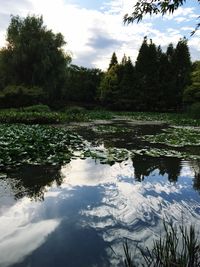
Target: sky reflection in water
column 89, row 208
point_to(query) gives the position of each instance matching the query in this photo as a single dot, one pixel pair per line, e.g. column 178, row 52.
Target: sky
column 94, row 29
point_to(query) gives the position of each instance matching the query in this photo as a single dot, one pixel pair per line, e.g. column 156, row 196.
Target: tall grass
column 179, row 247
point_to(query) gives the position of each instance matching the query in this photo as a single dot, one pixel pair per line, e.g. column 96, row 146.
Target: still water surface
column 79, row 214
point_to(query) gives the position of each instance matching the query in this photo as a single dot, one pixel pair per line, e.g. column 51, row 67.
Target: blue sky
column 95, row 4
column 94, row 29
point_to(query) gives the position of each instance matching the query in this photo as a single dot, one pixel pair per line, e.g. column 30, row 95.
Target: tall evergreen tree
column 166, row 79
column 109, row 87
column 127, row 85
column 140, row 68
column 147, row 74
column 113, row 61
column 170, row 52
column 182, row 70
column 124, row 60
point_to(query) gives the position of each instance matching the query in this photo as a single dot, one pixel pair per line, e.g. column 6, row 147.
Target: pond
column 80, row 213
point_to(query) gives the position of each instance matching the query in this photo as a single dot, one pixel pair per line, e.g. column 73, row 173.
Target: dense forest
column 34, row 69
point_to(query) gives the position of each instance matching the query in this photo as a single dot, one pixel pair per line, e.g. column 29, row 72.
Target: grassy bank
column 50, row 117
column 42, row 115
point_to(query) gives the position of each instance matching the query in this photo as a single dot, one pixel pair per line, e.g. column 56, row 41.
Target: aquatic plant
column 182, row 119
column 178, row 247
column 35, row 144
column 41, row 115
column 177, row 137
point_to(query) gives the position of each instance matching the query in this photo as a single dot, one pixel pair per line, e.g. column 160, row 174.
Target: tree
column 82, row 83
column 34, row 56
column 18, row 96
column 109, row 87
column 166, row 79
column 127, row 85
column 113, row 61
column 192, row 92
column 170, row 52
column 143, row 7
column 124, row 60
column 182, row 70
column 147, row 75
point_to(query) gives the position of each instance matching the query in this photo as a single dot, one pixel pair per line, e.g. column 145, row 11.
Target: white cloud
column 187, row 29
column 182, row 12
column 80, row 25
column 180, row 19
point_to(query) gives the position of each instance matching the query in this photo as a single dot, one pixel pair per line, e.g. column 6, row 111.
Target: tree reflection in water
column 32, row 181
column 195, row 166
column 144, row 166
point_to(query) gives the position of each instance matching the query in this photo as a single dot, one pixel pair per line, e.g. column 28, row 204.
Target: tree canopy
column 192, row 92
column 34, row 69
column 143, row 7
column 33, row 56
column 156, row 82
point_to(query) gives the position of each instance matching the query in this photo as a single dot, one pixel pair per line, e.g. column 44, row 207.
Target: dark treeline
column 156, row 81
column 35, row 69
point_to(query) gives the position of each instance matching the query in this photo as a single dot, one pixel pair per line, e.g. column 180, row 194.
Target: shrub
column 20, row 95
column 194, row 110
column 36, row 108
column 31, row 117
column 75, row 110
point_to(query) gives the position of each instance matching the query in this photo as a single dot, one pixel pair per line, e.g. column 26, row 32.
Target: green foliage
column 109, row 86
column 182, row 119
column 182, row 70
column 34, row 116
column 177, row 137
column 17, row 96
column 100, row 115
column 34, row 69
column 147, row 75
column 28, row 117
column 117, row 87
column 194, row 110
column 34, row 144
column 143, row 7
column 127, row 99
column 162, row 77
column 36, row 108
column 155, row 83
column 81, row 84
column 192, row 92
column 22, row 144
column 75, row 110
column 113, row 61
column 34, row 56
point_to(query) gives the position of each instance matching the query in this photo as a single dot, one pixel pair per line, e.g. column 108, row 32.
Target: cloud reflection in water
column 130, row 208
column 20, row 235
